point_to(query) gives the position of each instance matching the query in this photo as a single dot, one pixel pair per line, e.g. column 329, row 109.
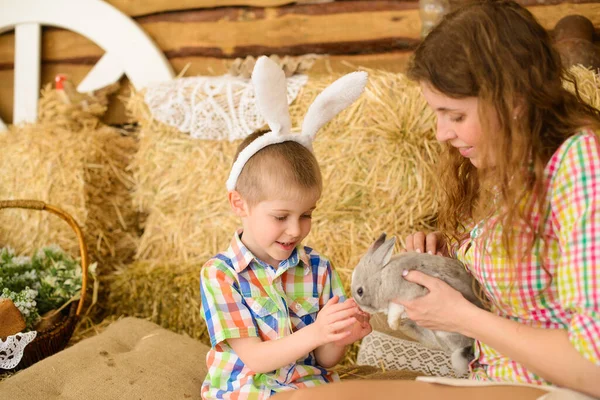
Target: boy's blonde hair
column 282, row 170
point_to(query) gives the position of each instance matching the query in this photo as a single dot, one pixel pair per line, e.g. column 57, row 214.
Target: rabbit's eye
column 359, row 291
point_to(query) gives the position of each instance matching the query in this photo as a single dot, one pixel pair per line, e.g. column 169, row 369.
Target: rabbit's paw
column 460, row 360
column 394, row 315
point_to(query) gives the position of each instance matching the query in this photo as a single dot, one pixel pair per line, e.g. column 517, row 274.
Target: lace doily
column 220, row 107
column 384, row 351
column 11, row 350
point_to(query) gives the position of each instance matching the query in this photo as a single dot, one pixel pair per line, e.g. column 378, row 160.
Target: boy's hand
column 335, row 320
column 359, row 329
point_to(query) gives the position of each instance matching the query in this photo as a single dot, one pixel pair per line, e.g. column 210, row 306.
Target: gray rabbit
column 377, row 280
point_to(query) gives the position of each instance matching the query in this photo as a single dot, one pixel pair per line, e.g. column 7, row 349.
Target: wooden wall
column 205, row 38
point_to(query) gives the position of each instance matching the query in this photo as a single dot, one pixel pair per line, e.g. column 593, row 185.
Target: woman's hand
column 432, row 243
column 443, row 308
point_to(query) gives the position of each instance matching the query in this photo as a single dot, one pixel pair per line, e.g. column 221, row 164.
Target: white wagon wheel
column 128, row 49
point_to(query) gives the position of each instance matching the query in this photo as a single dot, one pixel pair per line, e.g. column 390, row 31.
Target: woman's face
column 458, row 123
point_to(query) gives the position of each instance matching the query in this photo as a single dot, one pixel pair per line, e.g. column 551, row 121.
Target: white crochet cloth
column 206, row 107
column 384, row 351
column 11, row 350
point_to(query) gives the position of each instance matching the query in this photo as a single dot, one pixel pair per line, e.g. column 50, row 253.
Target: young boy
column 275, row 309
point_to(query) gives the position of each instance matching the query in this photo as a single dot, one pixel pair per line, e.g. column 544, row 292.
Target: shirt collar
column 241, row 256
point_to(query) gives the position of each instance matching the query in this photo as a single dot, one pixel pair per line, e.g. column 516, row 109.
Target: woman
column 520, row 174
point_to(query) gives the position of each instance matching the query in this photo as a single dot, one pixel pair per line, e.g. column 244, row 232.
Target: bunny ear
column 383, row 253
column 376, row 244
column 331, row 101
column 270, row 90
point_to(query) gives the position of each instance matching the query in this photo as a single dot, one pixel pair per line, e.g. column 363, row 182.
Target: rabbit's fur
column 377, row 280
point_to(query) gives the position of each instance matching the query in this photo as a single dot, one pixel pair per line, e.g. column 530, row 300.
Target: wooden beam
column 356, row 27
column 136, row 8
column 232, row 33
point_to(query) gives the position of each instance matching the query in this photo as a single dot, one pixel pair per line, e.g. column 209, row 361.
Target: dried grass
column 166, row 294
column 69, row 159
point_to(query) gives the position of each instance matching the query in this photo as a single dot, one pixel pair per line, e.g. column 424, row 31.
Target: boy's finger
column 332, row 301
column 334, row 337
column 343, row 324
column 342, row 306
column 343, row 312
column 350, row 301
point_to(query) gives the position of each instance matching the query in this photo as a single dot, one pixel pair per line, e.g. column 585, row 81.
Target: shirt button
column 298, row 306
column 256, row 307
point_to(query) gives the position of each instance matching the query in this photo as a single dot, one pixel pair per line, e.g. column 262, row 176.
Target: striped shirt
column 244, row 297
column 568, row 296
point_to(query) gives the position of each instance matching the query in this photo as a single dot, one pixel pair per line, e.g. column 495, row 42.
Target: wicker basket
column 56, row 337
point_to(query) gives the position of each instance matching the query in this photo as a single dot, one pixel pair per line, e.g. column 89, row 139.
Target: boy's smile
column 273, row 228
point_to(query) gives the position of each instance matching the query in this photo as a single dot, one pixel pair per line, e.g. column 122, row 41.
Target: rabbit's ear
column 270, row 89
column 383, row 253
column 331, row 101
column 377, row 243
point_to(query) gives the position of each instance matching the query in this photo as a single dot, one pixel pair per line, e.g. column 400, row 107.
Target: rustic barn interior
column 149, row 224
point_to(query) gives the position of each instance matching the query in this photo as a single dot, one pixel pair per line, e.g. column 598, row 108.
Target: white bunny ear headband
column 271, row 99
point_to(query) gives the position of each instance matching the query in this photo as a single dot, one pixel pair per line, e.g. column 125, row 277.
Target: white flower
column 21, row 260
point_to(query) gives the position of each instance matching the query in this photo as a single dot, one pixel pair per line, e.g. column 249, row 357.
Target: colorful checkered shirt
column 244, row 297
column 572, row 234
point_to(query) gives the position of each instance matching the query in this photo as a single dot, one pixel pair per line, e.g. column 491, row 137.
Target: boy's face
column 273, row 228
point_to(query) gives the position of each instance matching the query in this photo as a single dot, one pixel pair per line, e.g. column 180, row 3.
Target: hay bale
column 377, row 179
column 71, row 160
column 167, row 294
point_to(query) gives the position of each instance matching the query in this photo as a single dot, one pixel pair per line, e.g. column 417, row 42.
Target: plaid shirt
column 244, row 297
column 568, row 298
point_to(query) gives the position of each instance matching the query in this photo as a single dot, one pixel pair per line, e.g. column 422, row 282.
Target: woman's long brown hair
column 498, row 52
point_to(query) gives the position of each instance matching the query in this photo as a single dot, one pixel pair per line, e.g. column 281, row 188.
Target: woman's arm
column 330, row 326
column 546, row 352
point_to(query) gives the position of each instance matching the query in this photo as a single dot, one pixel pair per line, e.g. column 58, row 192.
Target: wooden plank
column 138, row 8
column 27, row 72
column 234, row 33
column 378, row 27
